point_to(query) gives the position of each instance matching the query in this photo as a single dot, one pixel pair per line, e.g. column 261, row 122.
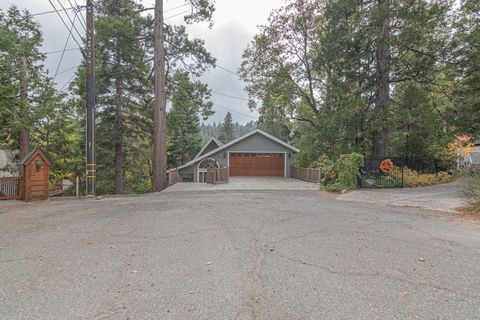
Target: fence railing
column 217, row 175
column 173, row 176
column 372, row 175
column 11, row 188
column 306, row 174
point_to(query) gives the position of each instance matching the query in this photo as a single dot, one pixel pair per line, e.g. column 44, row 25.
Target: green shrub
column 412, row 178
column 347, row 170
column 471, row 187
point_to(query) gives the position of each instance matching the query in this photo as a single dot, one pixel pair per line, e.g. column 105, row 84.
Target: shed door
column 257, row 164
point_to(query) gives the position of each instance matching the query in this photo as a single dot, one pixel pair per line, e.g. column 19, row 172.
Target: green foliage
column 183, row 121
column 347, row 170
column 214, row 130
column 471, row 187
column 228, row 130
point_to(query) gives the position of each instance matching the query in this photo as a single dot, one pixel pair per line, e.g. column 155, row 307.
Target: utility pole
column 24, row 134
column 159, row 113
column 91, row 166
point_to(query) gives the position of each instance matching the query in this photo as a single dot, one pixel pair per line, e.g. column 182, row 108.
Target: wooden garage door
column 257, row 164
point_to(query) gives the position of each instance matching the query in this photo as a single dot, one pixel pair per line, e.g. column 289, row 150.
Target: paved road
column 276, row 255
column 442, row 197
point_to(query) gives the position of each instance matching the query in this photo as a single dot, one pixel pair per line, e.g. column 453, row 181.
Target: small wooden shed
column 35, row 168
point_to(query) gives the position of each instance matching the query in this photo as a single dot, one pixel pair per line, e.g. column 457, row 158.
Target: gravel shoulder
column 444, row 197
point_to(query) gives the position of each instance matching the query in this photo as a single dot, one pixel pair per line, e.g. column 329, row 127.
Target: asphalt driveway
column 247, row 183
column 235, row 255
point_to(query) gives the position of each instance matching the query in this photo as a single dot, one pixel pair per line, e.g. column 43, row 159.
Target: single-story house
column 256, row 153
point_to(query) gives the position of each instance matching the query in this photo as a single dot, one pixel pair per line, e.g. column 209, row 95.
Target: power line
column 68, row 16
column 65, row 24
column 227, row 70
column 230, row 96
column 48, row 12
column 66, row 70
column 64, row 48
column 81, row 19
column 231, row 110
column 64, row 87
column 58, row 51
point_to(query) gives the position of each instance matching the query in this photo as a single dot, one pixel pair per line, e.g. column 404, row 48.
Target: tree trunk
column 119, row 152
column 24, row 132
column 382, row 94
column 119, row 163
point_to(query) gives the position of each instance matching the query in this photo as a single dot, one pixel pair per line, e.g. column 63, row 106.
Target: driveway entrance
column 247, row 183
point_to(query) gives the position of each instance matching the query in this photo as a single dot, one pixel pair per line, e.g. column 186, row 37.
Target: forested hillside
column 382, row 78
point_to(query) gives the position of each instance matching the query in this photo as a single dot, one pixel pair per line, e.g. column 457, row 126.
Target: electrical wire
column 65, row 24
column 230, row 96
column 64, row 48
column 81, row 18
column 231, row 110
column 68, row 16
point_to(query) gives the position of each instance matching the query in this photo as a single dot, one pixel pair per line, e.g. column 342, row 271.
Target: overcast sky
column 235, row 23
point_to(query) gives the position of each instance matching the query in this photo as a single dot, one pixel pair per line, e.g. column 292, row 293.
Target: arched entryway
column 203, row 166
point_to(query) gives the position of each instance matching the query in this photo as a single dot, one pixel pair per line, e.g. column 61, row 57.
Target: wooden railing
column 217, row 175
column 11, row 188
column 173, row 176
column 306, row 174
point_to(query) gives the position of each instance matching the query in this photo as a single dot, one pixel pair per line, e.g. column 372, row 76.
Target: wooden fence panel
column 173, row 176
column 11, row 188
column 217, row 175
column 306, row 174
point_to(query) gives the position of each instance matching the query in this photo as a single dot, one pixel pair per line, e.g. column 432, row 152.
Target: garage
column 257, row 164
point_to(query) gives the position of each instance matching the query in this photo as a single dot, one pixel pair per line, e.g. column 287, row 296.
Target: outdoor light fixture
column 289, row 155
column 224, row 155
column 38, row 163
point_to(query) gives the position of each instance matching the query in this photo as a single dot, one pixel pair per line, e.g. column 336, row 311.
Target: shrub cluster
column 344, row 172
column 412, row 178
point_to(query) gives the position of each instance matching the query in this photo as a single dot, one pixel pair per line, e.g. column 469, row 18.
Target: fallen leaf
column 421, row 259
column 87, row 242
column 406, row 293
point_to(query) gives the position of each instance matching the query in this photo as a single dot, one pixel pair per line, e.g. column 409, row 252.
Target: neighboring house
column 474, row 158
column 7, row 165
column 256, row 153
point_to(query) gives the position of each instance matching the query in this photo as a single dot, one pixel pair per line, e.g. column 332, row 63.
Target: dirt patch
column 469, row 214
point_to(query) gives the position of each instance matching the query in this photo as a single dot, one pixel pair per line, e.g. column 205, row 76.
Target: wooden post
column 159, row 167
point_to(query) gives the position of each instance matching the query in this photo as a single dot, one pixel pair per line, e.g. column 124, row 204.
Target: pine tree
column 228, row 131
column 23, row 79
column 184, row 135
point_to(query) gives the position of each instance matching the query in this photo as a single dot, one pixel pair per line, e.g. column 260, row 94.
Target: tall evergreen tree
column 228, row 131
column 23, row 79
column 188, row 103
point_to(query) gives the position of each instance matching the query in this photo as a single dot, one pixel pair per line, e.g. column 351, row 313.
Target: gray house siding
column 256, row 143
column 211, row 146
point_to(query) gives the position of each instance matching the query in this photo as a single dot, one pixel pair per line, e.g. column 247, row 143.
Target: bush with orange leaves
column 458, row 149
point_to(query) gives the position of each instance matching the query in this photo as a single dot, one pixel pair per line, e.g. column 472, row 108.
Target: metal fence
column 372, row 176
column 306, row 174
column 11, row 188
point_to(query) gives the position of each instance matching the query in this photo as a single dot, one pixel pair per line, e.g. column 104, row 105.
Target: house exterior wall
column 256, row 143
column 211, row 146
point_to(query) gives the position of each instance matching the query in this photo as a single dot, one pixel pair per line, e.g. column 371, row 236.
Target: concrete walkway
column 444, row 197
column 247, row 183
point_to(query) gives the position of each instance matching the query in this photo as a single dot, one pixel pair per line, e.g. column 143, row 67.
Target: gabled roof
column 31, row 154
column 212, row 140
column 245, row 136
